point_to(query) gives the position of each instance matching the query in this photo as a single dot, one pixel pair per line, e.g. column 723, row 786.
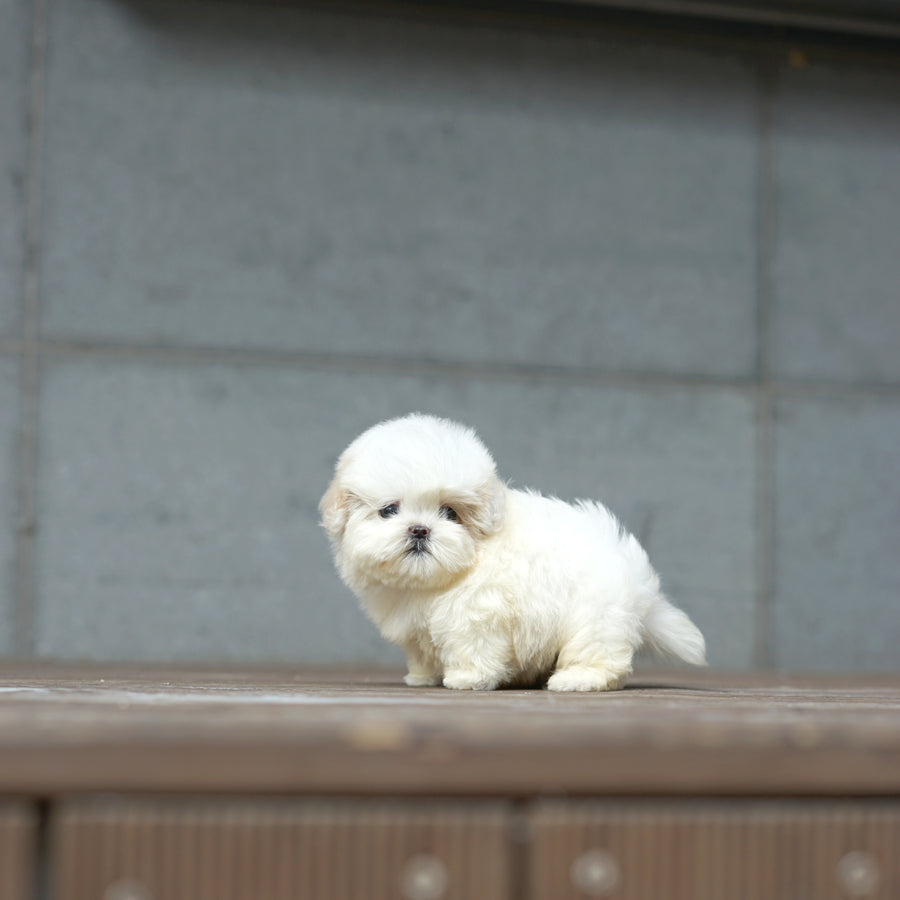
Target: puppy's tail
column 669, row 632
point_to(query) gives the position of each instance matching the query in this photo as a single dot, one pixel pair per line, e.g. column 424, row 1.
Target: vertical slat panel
column 232, row 850
column 18, row 843
column 741, row 850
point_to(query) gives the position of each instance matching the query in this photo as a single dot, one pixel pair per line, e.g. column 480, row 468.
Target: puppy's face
column 410, row 501
column 408, row 541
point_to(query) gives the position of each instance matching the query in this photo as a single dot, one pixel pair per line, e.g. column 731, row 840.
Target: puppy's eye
column 390, row 510
column 448, row 512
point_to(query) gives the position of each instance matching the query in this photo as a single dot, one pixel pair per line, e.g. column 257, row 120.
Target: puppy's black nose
column 418, row 532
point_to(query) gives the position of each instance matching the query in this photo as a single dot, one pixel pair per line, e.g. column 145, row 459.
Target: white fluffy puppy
column 484, row 586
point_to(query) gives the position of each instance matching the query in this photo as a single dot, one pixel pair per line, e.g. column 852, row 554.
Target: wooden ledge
column 76, row 728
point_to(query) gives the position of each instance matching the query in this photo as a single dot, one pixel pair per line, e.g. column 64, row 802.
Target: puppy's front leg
column 424, row 666
column 471, row 680
column 476, row 662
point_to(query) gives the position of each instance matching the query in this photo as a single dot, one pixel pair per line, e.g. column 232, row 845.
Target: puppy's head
column 410, row 500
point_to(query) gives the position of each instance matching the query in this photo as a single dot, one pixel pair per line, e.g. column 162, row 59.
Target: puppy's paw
column 470, row 680
column 422, row 680
column 586, row 678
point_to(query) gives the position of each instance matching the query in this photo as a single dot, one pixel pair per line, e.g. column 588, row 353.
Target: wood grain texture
column 18, row 841
column 251, row 731
column 710, row 851
column 239, row 849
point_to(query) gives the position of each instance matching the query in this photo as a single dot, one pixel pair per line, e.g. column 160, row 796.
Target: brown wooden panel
column 743, row 851
column 241, row 850
column 133, row 730
column 18, row 831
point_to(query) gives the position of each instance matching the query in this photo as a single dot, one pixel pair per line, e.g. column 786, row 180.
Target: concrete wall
column 653, row 270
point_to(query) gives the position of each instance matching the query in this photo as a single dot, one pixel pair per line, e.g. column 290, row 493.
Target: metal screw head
column 424, row 877
column 596, row 873
column 127, row 890
column 858, row 874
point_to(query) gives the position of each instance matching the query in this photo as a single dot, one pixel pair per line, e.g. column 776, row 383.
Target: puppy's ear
column 489, row 512
column 334, row 508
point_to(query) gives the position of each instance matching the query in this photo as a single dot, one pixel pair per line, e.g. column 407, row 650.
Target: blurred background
column 652, row 260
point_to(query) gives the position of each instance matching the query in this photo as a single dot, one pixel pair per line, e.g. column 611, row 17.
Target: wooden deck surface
column 75, row 728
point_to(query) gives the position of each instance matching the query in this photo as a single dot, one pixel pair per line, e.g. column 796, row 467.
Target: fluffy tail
column 669, row 632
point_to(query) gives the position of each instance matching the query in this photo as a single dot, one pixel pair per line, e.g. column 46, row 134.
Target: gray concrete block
column 836, row 312
column 9, row 413
column 178, row 517
column 837, row 585
column 286, row 178
column 178, row 503
column 15, row 37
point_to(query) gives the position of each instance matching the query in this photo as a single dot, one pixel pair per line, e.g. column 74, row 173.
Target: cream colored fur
column 484, row 586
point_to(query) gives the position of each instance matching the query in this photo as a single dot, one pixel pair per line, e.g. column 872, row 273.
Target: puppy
column 484, row 586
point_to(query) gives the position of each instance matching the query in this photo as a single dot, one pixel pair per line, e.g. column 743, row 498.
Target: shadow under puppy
column 484, row 586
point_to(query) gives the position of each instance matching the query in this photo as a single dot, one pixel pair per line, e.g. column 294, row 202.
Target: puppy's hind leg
column 593, row 668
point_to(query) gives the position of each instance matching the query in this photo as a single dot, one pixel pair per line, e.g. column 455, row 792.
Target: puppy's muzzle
column 417, row 539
